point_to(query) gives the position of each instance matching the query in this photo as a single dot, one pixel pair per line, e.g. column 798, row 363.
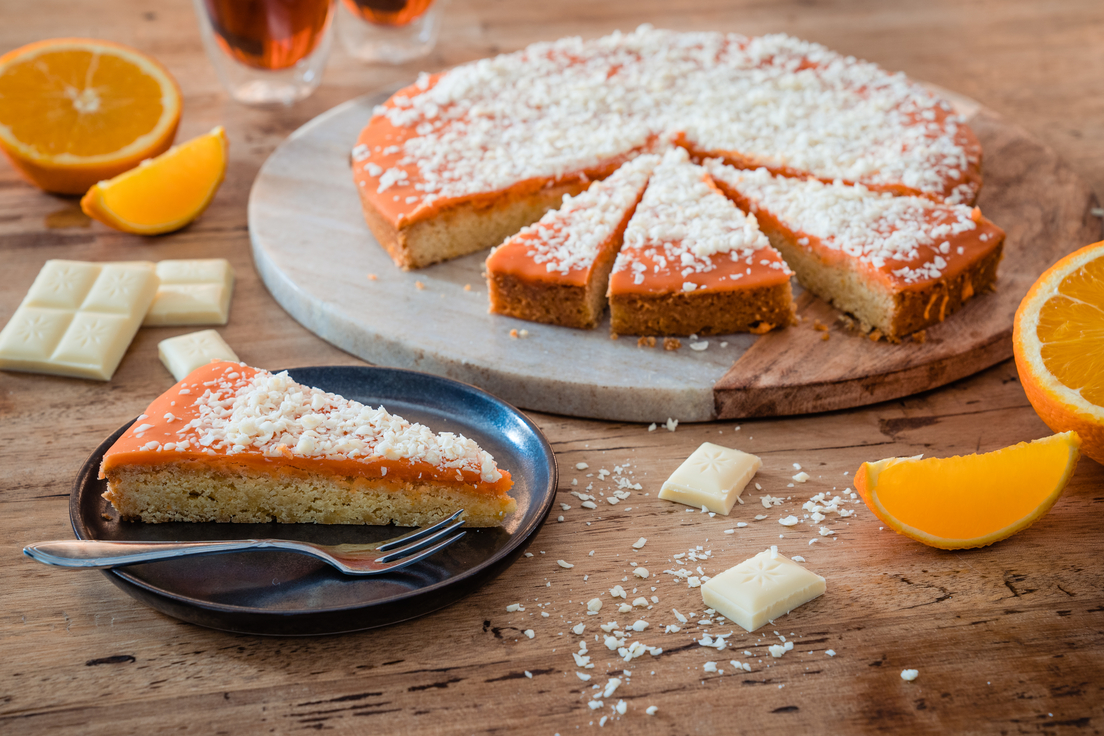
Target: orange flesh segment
column 967, row 497
column 1071, row 330
column 126, row 102
column 179, row 181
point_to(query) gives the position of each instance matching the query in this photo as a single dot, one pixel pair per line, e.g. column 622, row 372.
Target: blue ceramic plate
column 286, row 594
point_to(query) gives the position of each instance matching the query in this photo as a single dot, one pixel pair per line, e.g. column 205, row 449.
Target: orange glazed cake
column 232, row 443
column 897, row 263
column 556, row 271
column 459, row 161
column 693, row 263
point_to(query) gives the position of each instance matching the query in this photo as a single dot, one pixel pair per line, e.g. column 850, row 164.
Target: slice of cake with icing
column 899, row 264
column 232, row 443
column 693, row 263
column 461, row 160
column 556, row 270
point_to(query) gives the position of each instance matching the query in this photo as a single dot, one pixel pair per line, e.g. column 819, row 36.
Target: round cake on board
column 318, row 258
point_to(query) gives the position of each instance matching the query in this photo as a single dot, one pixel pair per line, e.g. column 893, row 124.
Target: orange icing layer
column 513, row 258
column 973, row 247
column 726, row 274
column 401, row 204
column 180, row 402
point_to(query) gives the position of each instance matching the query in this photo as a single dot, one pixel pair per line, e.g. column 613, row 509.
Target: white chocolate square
column 122, row 288
column 78, row 318
column 713, row 477
column 761, row 589
column 192, row 292
column 62, row 284
column 184, row 353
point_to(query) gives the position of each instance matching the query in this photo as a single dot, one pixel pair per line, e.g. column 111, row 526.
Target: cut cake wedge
column 693, row 263
column 556, row 271
column 899, row 264
column 232, row 443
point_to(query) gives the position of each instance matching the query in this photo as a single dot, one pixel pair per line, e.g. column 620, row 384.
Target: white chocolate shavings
column 683, row 223
column 571, row 238
column 554, row 109
column 777, row 650
column 272, row 414
column 909, row 675
column 907, row 234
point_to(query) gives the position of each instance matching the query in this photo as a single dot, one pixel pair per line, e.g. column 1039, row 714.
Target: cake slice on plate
column 232, row 443
column 556, row 270
column 898, row 264
column 693, row 263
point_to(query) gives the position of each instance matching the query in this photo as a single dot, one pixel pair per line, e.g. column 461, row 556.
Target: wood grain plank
column 1015, row 648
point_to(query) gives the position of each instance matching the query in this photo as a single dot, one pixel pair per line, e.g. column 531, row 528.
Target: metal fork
column 351, row 559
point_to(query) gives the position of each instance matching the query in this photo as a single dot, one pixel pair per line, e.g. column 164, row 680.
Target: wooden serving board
column 321, row 263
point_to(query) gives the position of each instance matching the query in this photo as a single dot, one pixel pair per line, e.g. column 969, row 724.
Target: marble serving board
column 322, row 264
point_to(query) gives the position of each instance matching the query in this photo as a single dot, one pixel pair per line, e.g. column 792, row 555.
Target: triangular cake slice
column 556, row 270
column 693, row 263
column 232, row 443
column 898, row 264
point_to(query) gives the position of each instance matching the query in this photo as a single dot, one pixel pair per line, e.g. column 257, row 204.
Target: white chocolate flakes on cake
column 273, row 414
column 684, row 222
column 874, row 227
column 570, row 238
column 554, row 109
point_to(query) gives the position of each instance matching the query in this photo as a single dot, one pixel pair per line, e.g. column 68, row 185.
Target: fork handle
column 92, row 554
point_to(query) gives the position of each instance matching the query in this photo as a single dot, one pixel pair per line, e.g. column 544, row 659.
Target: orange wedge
column 164, row 193
column 1058, row 341
column 971, row 500
column 74, row 111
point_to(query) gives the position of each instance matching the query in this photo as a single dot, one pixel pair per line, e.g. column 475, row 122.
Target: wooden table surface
column 1006, row 639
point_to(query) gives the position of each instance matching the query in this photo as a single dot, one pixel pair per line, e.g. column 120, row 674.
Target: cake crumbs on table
column 671, row 343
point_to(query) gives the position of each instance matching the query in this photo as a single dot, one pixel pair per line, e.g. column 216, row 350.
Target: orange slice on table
column 74, row 111
column 1058, row 341
column 970, row 500
column 164, row 193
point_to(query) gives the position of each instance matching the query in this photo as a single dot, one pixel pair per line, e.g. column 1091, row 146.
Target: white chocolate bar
column 761, row 589
column 713, row 477
column 192, row 292
column 184, row 353
column 78, row 318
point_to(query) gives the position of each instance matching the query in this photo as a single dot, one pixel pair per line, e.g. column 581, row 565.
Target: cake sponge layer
column 195, row 492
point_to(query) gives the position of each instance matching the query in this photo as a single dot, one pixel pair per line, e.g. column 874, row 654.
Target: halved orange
column 164, row 193
column 971, row 500
column 74, row 111
column 1058, row 341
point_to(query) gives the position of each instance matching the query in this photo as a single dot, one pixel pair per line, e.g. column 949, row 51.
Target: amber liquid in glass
column 268, row 34
column 388, row 12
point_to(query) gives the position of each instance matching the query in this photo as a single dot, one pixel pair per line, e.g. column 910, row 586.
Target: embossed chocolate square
column 713, row 477
column 761, row 589
column 78, row 318
column 184, row 353
column 192, row 292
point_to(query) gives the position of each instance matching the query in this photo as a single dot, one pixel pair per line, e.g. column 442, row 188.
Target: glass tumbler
column 267, row 51
column 389, row 31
